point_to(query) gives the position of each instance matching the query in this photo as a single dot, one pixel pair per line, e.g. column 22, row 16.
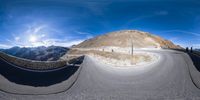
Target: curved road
column 168, row 79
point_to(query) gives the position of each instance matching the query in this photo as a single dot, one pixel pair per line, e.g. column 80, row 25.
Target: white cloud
column 197, row 46
column 5, row 46
column 97, row 7
column 49, row 42
column 161, row 13
column 82, row 33
column 184, row 42
column 38, row 28
column 154, row 14
column 182, row 31
column 17, row 38
column 42, row 36
column 173, row 39
column 69, row 43
column 35, row 29
column 157, row 13
column 87, row 35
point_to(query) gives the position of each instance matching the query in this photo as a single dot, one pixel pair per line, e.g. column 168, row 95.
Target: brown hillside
column 124, row 38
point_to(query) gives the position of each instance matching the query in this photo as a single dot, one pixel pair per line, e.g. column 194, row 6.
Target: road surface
column 168, row 79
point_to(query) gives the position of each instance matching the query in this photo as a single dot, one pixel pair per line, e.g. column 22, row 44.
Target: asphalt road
column 169, row 78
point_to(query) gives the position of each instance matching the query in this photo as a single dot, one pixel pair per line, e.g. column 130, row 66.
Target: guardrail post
column 191, row 50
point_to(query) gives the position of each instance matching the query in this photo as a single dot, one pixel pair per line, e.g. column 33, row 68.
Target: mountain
column 125, row 38
column 197, row 50
column 51, row 53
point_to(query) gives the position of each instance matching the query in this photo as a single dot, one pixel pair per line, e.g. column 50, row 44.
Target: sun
column 32, row 38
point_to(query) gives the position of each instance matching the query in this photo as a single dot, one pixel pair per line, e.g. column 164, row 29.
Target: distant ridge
column 123, row 38
column 41, row 53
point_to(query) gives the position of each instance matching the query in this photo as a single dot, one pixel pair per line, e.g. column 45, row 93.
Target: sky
column 29, row 23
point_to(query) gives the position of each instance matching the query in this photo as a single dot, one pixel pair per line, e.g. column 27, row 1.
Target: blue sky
column 63, row 22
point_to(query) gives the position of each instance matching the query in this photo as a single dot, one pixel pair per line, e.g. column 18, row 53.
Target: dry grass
column 135, row 59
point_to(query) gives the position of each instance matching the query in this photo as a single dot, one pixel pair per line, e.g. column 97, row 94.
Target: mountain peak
column 41, row 53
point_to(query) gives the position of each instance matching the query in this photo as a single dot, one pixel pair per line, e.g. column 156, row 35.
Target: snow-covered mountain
column 51, row 53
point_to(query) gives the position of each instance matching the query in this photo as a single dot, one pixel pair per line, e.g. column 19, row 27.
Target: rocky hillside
column 51, row 53
column 125, row 38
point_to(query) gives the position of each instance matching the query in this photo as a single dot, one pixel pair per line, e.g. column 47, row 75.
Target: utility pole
column 131, row 45
column 132, row 59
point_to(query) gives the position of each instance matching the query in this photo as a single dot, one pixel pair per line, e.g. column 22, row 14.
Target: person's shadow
column 38, row 79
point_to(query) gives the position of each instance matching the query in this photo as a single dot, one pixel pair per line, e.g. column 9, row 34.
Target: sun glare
column 32, row 38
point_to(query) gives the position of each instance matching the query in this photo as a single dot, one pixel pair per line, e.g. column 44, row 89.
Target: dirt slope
column 125, row 38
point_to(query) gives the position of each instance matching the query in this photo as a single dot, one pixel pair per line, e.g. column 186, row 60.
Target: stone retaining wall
column 30, row 64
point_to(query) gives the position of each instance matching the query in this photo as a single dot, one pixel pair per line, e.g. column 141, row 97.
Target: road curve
column 18, row 80
column 169, row 78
